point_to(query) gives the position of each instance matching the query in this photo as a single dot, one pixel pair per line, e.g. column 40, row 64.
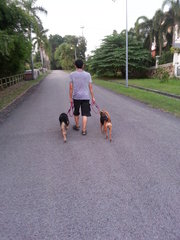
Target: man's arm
column 91, row 92
column 70, row 92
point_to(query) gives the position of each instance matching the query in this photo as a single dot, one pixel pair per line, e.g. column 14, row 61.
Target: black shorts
column 85, row 107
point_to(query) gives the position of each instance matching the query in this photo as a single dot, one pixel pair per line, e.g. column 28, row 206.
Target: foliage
column 41, row 41
column 71, row 48
column 81, row 48
column 54, row 42
column 110, row 58
column 162, row 75
column 174, row 50
column 14, row 45
column 166, row 57
column 78, row 44
column 17, row 20
column 64, row 56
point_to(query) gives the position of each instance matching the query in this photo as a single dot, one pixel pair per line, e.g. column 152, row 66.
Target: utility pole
column 82, row 27
column 126, row 43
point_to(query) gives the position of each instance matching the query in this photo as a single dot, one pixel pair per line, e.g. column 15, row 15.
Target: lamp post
column 75, row 51
column 126, row 43
column 82, row 27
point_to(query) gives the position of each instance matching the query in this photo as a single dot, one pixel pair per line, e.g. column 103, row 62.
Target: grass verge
column 172, row 86
column 9, row 94
column 164, row 103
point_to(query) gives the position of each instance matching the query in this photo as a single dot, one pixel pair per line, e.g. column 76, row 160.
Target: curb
column 152, row 90
column 5, row 111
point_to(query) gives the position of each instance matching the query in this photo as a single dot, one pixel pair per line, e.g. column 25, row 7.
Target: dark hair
column 79, row 63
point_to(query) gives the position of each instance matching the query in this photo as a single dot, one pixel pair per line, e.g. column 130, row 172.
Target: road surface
column 88, row 188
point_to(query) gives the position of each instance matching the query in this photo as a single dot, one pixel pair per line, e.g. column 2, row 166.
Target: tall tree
column 81, row 48
column 144, row 31
column 54, row 41
column 32, row 10
column 110, row 57
column 41, row 41
column 160, row 30
column 78, row 44
column 14, row 44
column 64, row 56
column 173, row 14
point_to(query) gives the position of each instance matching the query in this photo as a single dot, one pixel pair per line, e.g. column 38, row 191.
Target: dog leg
column 105, row 130
column 110, row 130
column 64, row 136
column 102, row 129
column 63, row 131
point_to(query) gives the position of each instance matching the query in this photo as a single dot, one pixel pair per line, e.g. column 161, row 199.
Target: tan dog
column 106, row 124
column 64, row 124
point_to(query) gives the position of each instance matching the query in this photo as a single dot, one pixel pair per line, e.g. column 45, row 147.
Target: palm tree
column 160, row 29
column 41, row 41
column 32, row 10
column 173, row 15
column 144, row 31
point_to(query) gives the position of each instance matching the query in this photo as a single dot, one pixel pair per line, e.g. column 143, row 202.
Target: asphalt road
column 88, row 188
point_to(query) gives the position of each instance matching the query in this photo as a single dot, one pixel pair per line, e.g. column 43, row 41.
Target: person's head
column 79, row 63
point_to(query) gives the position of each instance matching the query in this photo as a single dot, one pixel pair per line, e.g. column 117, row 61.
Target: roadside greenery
column 172, row 86
column 163, row 103
column 15, row 48
column 110, row 58
column 18, row 20
column 154, row 36
column 9, row 94
column 70, row 49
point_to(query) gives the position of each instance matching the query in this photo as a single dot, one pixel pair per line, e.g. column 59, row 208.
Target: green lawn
column 9, row 94
column 164, row 103
column 172, row 86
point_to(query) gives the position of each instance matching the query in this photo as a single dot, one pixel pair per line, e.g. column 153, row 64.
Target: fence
column 11, row 80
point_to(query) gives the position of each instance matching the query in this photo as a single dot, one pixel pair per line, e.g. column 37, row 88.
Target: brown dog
column 64, row 124
column 106, row 124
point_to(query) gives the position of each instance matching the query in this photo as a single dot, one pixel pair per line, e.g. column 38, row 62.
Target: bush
column 166, row 57
column 162, row 74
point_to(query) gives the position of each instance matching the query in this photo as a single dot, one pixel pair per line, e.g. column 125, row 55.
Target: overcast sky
column 98, row 17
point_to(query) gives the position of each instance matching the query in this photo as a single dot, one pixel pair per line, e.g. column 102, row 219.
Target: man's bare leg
column 76, row 118
column 84, row 123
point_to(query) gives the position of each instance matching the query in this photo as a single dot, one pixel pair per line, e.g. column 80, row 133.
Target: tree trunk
column 41, row 56
column 32, row 64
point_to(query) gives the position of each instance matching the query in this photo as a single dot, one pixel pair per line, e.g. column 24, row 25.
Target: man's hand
column 93, row 100
column 71, row 100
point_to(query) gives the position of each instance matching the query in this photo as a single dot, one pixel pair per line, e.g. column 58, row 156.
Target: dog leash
column 96, row 106
column 70, row 111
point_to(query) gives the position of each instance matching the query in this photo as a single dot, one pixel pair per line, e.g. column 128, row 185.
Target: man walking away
column 80, row 89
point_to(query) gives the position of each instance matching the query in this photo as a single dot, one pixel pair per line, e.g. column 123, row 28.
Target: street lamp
column 126, row 42
column 75, row 52
column 82, row 27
